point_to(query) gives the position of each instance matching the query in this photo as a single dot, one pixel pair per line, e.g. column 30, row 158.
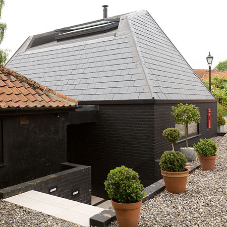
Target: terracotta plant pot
column 127, row 213
column 175, row 181
column 207, row 163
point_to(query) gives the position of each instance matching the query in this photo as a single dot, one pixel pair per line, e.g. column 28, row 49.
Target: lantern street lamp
column 209, row 62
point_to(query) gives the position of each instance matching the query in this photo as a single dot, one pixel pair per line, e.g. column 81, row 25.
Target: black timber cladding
column 38, row 146
column 122, row 135
column 130, row 135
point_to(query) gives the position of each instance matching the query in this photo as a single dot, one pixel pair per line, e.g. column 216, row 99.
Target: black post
column 105, row 11
column 210, row 78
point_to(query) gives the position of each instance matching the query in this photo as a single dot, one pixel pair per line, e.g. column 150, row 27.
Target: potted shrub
column 220, row 122
column 126, row 192
column 172, row 135
column 186, row 114
column 206, row 150
column 173, row 170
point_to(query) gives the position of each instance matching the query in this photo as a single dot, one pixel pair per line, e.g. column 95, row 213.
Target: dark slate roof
column 17, row 91
column 135, row 61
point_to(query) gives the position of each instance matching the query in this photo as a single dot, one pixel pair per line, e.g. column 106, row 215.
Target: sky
column 195, row 27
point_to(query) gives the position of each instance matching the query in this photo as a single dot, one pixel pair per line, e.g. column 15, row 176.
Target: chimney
column 105, row 11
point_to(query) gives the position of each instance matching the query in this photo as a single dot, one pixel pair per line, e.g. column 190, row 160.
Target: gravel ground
column 12, row 215
column 204, row 203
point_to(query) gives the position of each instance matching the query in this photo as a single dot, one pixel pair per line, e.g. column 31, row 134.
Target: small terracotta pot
column 127, row 213
column 175, row 181
column 207, row 163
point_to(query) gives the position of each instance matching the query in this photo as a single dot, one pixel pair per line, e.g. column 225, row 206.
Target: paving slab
column 78, row 213
column 95, row 199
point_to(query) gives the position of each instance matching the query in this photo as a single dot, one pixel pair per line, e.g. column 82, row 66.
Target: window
column 193, row 129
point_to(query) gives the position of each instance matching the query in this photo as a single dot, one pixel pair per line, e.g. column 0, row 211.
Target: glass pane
column 192, row 128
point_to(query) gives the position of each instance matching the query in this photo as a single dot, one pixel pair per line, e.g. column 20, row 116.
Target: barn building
column 130, row 70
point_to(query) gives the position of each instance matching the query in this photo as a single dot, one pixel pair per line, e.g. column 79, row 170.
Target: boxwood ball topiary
column 173, row 161
column 172, row 135
column 206, row 147
column 123, row 185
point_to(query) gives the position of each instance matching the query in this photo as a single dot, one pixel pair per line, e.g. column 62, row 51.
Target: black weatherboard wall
column 131, row 135
column 34, row 144
column 123, row 135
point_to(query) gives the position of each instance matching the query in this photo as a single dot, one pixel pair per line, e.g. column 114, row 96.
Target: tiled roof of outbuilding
column 17, row 91
column 204, row 72
column 135, row 61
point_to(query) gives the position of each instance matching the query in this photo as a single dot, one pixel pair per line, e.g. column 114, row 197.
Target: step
column 69, row 210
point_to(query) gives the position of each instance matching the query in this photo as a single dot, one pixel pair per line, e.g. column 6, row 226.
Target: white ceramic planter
column 189, row 153
column 220, row 128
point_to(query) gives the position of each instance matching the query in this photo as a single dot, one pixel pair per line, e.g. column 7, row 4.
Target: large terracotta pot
column 207, row 163
column 175, row 181
column 127, row 213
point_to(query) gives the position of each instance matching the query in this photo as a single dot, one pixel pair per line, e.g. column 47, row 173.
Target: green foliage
column 2, row 2
column 123, row 185
column 218, row 88
column 222, row 109
column 220, row 119
column 206, row 147
column 186, row 114
column 3, row 53
column 222, row 66
column 3, row 56
column 172, row 135
column 173, row 161
column 2, row 31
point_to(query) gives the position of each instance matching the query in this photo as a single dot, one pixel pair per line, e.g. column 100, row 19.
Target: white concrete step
column 78, row 213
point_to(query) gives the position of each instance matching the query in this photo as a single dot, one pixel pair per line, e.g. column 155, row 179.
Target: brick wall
column 76, row 178
column 123, row 135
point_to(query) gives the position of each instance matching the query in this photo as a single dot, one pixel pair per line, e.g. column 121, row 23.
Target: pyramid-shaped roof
column 133, row 60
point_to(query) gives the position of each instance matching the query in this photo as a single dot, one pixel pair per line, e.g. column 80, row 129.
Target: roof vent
column 105, row 11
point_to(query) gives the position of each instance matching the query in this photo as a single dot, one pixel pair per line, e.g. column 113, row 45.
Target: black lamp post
column 209, row 62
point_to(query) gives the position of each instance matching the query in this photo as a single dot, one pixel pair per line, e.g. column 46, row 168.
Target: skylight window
column 95, row 27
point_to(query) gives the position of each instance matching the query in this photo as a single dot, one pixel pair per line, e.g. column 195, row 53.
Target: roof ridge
column 138, row 50
column 35, row 84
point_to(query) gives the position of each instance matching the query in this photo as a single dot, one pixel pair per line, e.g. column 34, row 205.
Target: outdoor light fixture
column 209, row 62
column 75, row 193
column 52, row 190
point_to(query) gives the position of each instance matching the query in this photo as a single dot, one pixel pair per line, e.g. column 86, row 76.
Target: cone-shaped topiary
column 123, row 185
column 206, row 147
column 172, row 135
column 220, row 119
column 173, row 161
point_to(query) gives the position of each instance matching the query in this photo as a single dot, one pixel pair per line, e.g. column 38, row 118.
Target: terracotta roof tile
column 22, row 97
column 18, row 84
column 2, row 84
column 17, row 91
column 9, row 84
